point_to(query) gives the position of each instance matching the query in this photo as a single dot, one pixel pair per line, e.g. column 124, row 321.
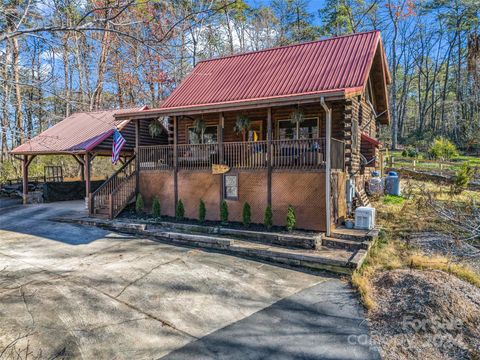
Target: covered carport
column 85, row 136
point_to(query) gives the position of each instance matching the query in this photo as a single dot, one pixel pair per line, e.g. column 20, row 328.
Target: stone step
column 335, row 243
column 306, row 240
column 343, row 261
column 342, row 232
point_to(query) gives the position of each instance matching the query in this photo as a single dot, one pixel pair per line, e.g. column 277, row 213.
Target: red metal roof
column 77, row 133
column 339, row 64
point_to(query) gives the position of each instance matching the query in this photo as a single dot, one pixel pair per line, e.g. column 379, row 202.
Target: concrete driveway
column 69, row 291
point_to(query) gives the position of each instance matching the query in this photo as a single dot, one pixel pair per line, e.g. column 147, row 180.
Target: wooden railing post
column 110, row 206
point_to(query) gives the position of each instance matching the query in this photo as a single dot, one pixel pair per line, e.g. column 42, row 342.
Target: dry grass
column 399, row 219
column 442, row 263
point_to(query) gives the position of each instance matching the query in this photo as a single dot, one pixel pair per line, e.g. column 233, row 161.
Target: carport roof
column 76, row 134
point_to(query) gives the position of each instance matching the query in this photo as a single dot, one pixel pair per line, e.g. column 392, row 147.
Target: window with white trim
column 230, row 191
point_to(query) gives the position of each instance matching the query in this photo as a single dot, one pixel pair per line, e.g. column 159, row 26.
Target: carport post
column 25, row 178
column 25, row 164
column 86, row 169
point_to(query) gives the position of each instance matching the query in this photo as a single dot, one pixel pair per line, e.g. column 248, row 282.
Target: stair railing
column 121, row 196
column 100, row 198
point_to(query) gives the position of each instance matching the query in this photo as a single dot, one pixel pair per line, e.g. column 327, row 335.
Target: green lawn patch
column 393, row 200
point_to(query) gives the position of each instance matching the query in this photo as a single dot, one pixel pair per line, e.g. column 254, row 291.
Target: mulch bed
column 131, row 214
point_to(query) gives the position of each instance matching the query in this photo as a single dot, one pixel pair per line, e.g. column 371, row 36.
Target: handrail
column 120, row 196
column 115, row 174
column 100, row 198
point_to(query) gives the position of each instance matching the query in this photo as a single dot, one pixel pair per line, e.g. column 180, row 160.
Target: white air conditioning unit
column 364, row 218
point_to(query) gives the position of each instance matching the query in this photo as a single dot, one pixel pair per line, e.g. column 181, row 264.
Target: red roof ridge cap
column 144, row 107
column 286, row 46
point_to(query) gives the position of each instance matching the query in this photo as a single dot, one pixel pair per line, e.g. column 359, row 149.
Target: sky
column 313, row 6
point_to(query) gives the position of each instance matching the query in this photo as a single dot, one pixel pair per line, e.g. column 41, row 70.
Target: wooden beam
column 82, row 164
column 26, row 161
column 221, row 123
column 137, row 163
column 328, row 162
column 269, row 156
column 175, row 162
column 30, row 159
column 88, row 192
column 225, row 107
column 25, row 179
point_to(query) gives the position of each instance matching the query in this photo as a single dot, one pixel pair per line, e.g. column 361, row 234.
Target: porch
column 301, row 154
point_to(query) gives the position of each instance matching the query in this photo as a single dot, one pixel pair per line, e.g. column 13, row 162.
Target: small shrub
column 442, row 149
column 202, row 211
column 180, row 211
column 247, row 214
column 139, row 204
column 410, row 152
column 291, row 218
column 462, row 178
column 268, row 218
column 224, row 212
column 156, row 208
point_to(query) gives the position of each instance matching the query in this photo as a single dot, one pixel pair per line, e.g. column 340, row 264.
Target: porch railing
column 197, row 157
column 298, row 154
column 286, row 154
column 155, row 157
column 245, row 155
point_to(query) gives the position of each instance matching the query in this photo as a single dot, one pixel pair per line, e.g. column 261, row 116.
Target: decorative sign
column 220, row 169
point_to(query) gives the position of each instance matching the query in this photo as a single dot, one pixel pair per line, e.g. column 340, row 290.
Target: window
column 308, row 129
column 210, row 135
column 231, row 187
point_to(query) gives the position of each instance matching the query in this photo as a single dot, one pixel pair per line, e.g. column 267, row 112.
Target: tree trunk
column 5, row 103
column 102, row 64
column 19, row 130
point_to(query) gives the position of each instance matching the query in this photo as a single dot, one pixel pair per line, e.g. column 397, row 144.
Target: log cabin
column 293, row 125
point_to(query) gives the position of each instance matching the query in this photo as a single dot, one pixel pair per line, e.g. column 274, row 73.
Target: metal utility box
column 364, row 218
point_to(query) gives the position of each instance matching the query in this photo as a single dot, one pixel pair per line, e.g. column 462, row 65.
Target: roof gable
column 339, row 64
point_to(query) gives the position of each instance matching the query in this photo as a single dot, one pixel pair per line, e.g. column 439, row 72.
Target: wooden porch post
column 175, row 162
column 25, row 164
column 221, row 123
column 25, row 178
column 86, row 169
column 328, row 163
column 269, row 156
column 137, row 163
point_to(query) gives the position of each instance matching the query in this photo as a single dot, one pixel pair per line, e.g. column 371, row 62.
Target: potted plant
column 297, row 117
column 199, row 127
column 155, row 128
column 242, row 125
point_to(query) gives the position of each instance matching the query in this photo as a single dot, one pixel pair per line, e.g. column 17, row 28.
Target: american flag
column 118, row 142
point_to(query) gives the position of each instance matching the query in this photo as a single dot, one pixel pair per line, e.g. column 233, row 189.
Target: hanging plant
column 297, row 116
column 199, row 127
column 242, row 125
column 154, row 128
